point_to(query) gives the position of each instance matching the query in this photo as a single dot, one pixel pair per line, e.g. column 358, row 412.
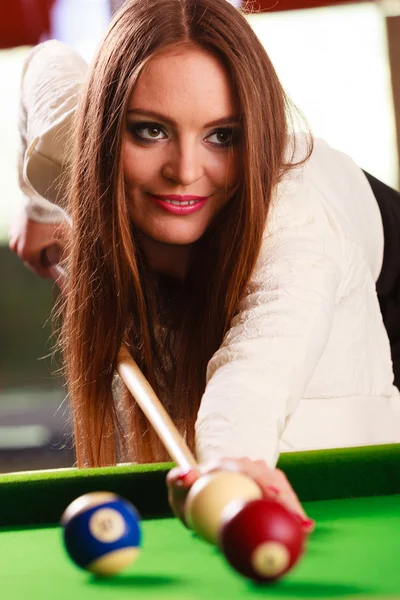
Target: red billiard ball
column 261, row 539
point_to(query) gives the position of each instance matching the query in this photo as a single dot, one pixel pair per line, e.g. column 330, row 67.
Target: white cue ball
column 209, row 496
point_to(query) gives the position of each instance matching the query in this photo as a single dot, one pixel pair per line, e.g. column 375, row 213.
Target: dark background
column 34, row 422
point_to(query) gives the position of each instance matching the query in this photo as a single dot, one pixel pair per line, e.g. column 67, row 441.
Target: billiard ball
column 101, row 532
column 209, row 496
column 261, row 539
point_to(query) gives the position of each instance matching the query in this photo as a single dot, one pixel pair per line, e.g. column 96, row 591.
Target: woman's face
column 181, row 146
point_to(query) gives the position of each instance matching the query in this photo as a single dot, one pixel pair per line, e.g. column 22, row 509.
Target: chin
column 178, row 238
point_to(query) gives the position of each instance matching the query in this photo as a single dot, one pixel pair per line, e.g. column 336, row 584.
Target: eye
column 147, row 132
column 224, row 137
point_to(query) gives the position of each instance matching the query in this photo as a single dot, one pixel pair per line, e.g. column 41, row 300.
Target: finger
column 287, row 496
column 12, row 244
column 35, row 265
column 34, row 259
column 50, row 259
column 273, row 483
column 286, row 493
column 275, row 486
column 52, row 254
column 180, row 478
column 179, row 483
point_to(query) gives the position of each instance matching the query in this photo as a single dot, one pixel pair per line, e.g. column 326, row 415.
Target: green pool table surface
column 353, row 553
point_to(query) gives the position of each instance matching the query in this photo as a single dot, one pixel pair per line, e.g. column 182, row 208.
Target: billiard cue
column 141, row 390
column 147, row 399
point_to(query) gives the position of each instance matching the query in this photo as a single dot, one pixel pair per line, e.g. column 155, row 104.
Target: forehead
column 184, row 80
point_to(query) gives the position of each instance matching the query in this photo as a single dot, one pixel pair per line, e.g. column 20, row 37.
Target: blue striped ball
column 102, row 532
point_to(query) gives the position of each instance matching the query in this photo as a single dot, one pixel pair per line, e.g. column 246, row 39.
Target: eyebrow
column 155, row 115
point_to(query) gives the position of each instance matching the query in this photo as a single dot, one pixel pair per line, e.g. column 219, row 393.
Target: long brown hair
column 113, row 296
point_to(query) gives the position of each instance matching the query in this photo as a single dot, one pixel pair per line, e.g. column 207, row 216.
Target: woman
column 238, row 262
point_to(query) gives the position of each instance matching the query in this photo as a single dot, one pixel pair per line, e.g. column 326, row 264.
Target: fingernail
column 273, row 490
column 307, row 524
column 183, row 478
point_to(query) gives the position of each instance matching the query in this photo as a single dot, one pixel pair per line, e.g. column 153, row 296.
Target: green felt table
column 353, row 494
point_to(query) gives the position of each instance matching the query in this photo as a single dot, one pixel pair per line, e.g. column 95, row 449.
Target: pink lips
column 180, row 198
column 165, row 202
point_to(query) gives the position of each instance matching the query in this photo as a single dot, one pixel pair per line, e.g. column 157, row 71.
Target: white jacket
column 306, row 363
column 52, row 78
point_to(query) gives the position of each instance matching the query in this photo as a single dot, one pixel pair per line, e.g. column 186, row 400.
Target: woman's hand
column 29, row 238
column 179, row 483
column 273, row 483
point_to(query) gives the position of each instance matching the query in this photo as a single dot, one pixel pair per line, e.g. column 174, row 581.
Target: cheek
column 137, row 168
column 128, row 163
column 235, row 167
column 228, row 169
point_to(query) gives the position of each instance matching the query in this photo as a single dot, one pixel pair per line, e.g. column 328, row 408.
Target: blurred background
column 339, row 62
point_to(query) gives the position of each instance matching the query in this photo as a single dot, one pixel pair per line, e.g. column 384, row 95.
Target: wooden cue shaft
column 146, row 398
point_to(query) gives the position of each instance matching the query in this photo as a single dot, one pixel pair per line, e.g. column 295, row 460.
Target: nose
column 184, row 163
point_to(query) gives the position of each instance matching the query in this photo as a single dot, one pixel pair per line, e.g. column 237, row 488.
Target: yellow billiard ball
column 210, row 495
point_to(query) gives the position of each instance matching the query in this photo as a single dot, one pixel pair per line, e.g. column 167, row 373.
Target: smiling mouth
column 182, row 202
column 179, row 205
column 178, row 200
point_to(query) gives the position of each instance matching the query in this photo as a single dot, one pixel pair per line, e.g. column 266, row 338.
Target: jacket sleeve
column 52, row 78
column 257, row 377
